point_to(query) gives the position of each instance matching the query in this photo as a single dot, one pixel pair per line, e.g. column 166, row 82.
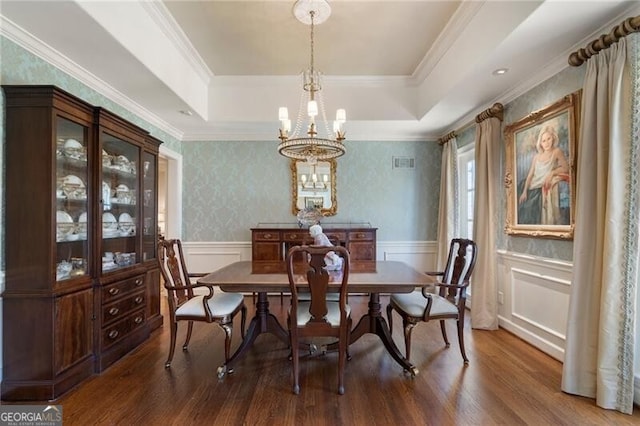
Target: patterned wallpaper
column 232, row 186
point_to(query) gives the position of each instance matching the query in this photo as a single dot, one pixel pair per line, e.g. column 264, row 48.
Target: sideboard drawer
column 266, row 236
column 361, row 236
column 336, row 237
column 295, row 237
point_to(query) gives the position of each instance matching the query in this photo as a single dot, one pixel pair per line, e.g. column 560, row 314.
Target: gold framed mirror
column 314, row 185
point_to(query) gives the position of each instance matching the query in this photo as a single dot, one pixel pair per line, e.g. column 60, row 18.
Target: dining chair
column 195, row 302
column 308, row 241
column 318, row 316
column 447, row 303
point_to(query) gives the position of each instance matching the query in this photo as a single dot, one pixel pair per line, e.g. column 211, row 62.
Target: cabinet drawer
column 296, row 237
column 266, row 236
column 336, row 237
column 115, row 311
column 120, row 329
column 119, row 289
column 361, row 236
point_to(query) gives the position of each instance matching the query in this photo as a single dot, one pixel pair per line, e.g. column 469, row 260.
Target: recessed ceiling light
column 500, row 71
column 186, row 112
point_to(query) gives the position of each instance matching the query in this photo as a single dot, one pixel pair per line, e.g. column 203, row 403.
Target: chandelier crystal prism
column 311, row 146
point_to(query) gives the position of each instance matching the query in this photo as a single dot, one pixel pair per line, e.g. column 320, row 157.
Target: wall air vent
column 404, row 163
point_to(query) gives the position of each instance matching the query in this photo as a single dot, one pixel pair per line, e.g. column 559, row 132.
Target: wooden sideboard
column 270, row 243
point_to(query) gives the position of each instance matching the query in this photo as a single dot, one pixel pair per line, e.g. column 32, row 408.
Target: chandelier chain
column 312, row 13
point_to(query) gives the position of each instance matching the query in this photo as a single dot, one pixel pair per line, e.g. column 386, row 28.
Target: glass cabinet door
column 149, row 208
column 120, row 200
column 71, row 195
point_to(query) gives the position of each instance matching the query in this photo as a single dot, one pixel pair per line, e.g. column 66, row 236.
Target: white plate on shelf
column 109, row 223
column 73, row 187
column 125, row 217
column 72, row 143
column 82, row 225
column 126, row 224
column 63, row 217
column 65, row 225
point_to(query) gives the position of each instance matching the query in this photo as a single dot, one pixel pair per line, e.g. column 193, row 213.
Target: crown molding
column 159, row 13
column 552, row 68
column 461, row 17
column 50, row 55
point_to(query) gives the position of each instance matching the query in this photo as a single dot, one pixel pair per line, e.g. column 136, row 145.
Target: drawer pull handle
column 138, row 300
column 139, row 281
column 267, row 236
column 114, row 311
column 138, row 320
column 113, row 334
column 114, row 290
column 360, row 235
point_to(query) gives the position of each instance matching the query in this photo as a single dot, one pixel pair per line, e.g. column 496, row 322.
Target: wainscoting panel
column 535, row 299
column 211, row 256
column 422, row 255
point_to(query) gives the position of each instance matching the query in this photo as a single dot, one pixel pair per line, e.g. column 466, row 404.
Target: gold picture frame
column 540, row 170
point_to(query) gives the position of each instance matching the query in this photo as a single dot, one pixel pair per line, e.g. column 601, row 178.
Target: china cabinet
column 82, row 286
column 270, row 243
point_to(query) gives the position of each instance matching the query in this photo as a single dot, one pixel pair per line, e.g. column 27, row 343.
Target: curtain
column 448, row 214
column 484, row 304
column 601, row 329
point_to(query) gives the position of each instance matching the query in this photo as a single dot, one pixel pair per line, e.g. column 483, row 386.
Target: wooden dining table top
column 390, row 277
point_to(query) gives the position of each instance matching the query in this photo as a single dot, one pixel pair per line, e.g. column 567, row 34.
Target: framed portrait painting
column 540, row 170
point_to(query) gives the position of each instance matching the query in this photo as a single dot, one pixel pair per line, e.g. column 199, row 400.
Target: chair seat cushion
column 333, row 313
column 414, row 304
column 221, row 304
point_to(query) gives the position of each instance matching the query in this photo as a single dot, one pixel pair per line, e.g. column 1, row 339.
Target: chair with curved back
column 447, row 303
column 318, row 316
column 188, row 302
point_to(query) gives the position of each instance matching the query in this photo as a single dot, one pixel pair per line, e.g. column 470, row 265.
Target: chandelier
column 311, row 146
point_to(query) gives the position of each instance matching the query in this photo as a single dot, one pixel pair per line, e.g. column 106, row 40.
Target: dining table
column 389, row 277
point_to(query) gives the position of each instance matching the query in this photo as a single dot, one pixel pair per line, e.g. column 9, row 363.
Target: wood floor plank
column 507, row 382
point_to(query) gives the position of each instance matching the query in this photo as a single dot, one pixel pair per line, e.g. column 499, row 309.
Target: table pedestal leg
column 262, row 322
column 373, row 322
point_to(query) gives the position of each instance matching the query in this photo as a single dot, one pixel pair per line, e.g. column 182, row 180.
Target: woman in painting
column 539, row 201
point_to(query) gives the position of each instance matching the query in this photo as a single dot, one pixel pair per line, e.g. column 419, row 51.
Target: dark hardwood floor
column 507, row 382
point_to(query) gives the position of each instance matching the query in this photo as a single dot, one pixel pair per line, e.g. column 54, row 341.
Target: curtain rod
column 626, row 27
column 495, row 111
column 446, row 138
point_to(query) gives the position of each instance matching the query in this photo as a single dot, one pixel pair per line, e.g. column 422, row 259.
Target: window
column 467, row 187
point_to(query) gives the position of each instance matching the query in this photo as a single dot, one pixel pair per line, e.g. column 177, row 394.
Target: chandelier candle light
column 310, row 147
